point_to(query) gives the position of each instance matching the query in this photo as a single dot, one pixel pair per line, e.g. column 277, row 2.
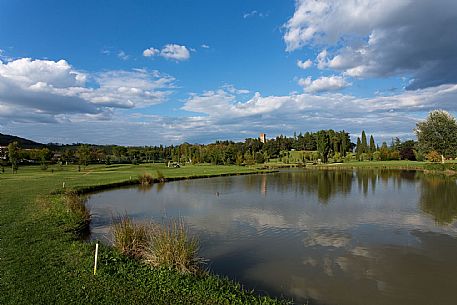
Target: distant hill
column 23, row 143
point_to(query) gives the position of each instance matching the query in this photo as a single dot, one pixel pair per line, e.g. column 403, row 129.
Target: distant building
column 263, row 137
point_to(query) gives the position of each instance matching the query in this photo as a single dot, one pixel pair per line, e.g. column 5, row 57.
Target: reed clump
column 145, row 179
column 171, row 246
column 76, row 204
column 167, row 244
column 129, row 238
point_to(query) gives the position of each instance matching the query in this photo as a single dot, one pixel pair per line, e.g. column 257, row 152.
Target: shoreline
column 39, row 245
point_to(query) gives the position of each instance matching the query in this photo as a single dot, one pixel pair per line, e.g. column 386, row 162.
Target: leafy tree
column 259, row 158
column 384, row 152
column 13, row 154
column 83, row 154
column 438, row 132
column 44, row 155
column 407, row 150
column 323, row 145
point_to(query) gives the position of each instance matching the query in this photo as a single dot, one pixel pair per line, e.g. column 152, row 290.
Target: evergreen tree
column 323, row 144
column 358, row 148
column 364, row 148
column 372, row 144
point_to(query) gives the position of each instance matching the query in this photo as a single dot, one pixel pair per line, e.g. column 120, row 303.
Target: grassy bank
column 449, row 167
column 42, row 260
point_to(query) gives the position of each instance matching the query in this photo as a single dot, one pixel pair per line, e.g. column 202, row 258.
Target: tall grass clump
column 76, row 204
column 161, row 176
column 129, row 238
column 170, row 245
column 145, row 179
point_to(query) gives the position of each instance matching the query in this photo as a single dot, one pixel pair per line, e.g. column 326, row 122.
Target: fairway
column 43, row 262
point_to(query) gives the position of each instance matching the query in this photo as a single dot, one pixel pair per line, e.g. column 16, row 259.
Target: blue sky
column 161, row 72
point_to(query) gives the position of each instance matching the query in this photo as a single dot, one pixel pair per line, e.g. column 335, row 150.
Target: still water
column 322, row 237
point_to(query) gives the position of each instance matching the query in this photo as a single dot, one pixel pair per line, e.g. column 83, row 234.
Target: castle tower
column 263, row 137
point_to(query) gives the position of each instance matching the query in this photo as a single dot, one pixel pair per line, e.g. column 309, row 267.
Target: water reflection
column 439, row 198
column 327, row 237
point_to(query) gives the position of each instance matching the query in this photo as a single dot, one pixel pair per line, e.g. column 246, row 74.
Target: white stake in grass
column 96, row 256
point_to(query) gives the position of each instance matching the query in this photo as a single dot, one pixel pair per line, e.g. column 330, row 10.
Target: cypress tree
column 372, row 144
column 364, row 143
column 358, row 148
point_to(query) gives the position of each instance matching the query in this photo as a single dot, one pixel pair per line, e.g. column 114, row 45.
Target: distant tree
column 407, row 150
column 364, row 145
column 384, row 152
column 438, row 132
column 372, row 145
column 44, row 155
column 259, row 157
column 358, row 149
column 249, row 159
column 323, row 145
column 13, row 154
column 83, row 154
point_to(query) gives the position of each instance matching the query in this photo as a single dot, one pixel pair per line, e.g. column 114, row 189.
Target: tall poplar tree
column 364, row 143
column 13, row 154
column 372, row 144
column 358, row 148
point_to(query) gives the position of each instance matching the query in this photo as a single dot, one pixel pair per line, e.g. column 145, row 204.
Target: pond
column 322, row 237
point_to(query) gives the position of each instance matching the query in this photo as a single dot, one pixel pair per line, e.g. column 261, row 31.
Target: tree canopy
column 438, row 132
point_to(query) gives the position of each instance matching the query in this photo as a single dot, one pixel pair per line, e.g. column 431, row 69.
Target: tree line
column 436, row 140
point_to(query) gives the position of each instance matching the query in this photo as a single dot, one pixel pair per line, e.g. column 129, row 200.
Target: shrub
column 129, row 238
column 170, row 246
column 433, row 156
column 394, row 155
column 145, row 179
column 419, row 155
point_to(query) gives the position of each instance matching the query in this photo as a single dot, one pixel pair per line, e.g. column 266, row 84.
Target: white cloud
column 58, row 96
column 254, row 13
column 150, row 52
column 175, row 52
column 374, row 38
column 205, row 46
column 387, row 116
column 330, row 83
column 122, row 55
column 45, row 90
column 170, row 51
column 304, row 64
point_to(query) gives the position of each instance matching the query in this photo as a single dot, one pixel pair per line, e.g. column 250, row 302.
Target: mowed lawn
column 42, row 261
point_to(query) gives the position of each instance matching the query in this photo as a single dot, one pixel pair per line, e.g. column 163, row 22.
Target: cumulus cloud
column 304, row 64
column 205, row 46
column 150, row 52
column 388, row 116
column 380, row 38
column 175, row 52
column 324, row 83
column 170, row 51
column 48, row 91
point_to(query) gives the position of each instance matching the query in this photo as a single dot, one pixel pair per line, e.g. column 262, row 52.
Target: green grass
column 43, row 262
column 400, row 164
